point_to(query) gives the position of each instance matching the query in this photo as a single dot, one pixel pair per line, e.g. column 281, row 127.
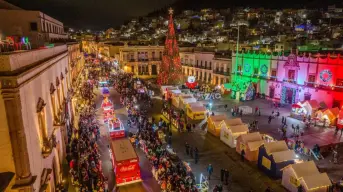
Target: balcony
column 289, row 81
column 221, row 72
column 309, row 84
column 48, row 145
column 132, row 60
column 142, row 60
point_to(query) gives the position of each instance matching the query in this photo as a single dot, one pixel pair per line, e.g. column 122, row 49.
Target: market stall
column 249, row 143
column 196, row 111
column 184, row 101
column 213, row 124
column 231, row 122
column 305, row 174
column 273, row 157
column 176, row 101
column 310, row 107
column 330, row 116
column 246, row 110
column 230, row 134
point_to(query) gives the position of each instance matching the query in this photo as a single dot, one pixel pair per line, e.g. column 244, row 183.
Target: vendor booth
column 184, row 101
column 249, row 143
column 230, row 134
column 246, row 110
column 176, row 100
column 330, row 116
column 196, row 111
column 307, row 175
column 310, row 107
column 231, row 122
column 213, row 124
column 273, row 157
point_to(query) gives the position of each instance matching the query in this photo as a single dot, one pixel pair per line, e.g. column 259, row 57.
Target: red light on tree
column 171, row 69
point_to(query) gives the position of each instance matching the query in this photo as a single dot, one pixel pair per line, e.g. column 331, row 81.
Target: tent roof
column 276, row 146
column 239, row 128
column 313, row 103
column 218, row 117
column 282, row 156
column 305, row 168
column 317, row 180
column 123, row 150
column 231, row 122
column 251, row 137
column 189, row 100
column 254, row 145
column 332, row 113
column 195, row 108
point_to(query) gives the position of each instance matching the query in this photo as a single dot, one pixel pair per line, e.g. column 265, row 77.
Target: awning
column 5, row 179
column 296, row 106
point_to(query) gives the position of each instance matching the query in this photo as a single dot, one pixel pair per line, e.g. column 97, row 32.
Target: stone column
column 24, row 179
column 149, row 69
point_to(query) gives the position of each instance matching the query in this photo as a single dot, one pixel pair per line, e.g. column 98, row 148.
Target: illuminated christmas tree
column 171, row 69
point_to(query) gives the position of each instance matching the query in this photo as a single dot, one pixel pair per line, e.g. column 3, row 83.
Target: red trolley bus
column 125, row 162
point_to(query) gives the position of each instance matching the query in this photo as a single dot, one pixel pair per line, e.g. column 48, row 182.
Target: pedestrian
column 256, row 110
column 222, row 172
column 241, row 112
column 169, row 140
column 242, row 155
column 298, row 129
column 196, row 155
column 209, row 171
column 269, row 119
column 259, row 112
column 282, row 119
column 227, row 175
column 232, row 112
column 187, row 148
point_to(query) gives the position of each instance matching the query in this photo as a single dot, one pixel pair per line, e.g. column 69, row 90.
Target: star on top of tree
column 171, row 11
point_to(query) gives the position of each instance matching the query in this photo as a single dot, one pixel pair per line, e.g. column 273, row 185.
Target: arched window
column 42, row 121
column 62, row 77
column 58, row 92
column 53, row 100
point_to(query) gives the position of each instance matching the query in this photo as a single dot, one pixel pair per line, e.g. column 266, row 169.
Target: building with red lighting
column 288, row 78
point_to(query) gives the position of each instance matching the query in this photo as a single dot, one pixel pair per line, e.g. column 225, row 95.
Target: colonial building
column 289, row 78
column 35, row 105
column 37, row 26
column 208, row 67
column 143, row 61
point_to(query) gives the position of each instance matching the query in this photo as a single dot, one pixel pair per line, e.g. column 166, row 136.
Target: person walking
column 187, row 148
column 269, row 119
column 196, row 155
column 227, row 175
column 242, row 155
column 222, row 173
column 209, row 171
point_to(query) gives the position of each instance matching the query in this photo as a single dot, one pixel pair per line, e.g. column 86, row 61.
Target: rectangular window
column 239, row 68
column 311, row 78
column 273, row 74
column 228, row 70
column 255, row 71
column 291, row 75
column 33, row 26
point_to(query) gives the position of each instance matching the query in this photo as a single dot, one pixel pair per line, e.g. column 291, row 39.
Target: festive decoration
column 171, row 69
column 264, row 69
column 191, row 82
column 249, row 95
column 325, row 75
column 247, row 67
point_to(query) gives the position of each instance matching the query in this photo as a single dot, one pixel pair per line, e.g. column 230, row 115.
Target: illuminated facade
column 36, row 109
column 207, row 67
column 290, row 78
column 142, row 61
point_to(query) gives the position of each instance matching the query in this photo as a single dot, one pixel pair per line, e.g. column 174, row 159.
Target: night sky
column 93, row 14
column 103, row 14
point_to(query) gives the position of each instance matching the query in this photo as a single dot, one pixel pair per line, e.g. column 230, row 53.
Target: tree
column 171, row 69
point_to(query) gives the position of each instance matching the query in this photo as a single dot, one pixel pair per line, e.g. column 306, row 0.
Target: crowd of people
column 83, row 155
column 171, row 173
